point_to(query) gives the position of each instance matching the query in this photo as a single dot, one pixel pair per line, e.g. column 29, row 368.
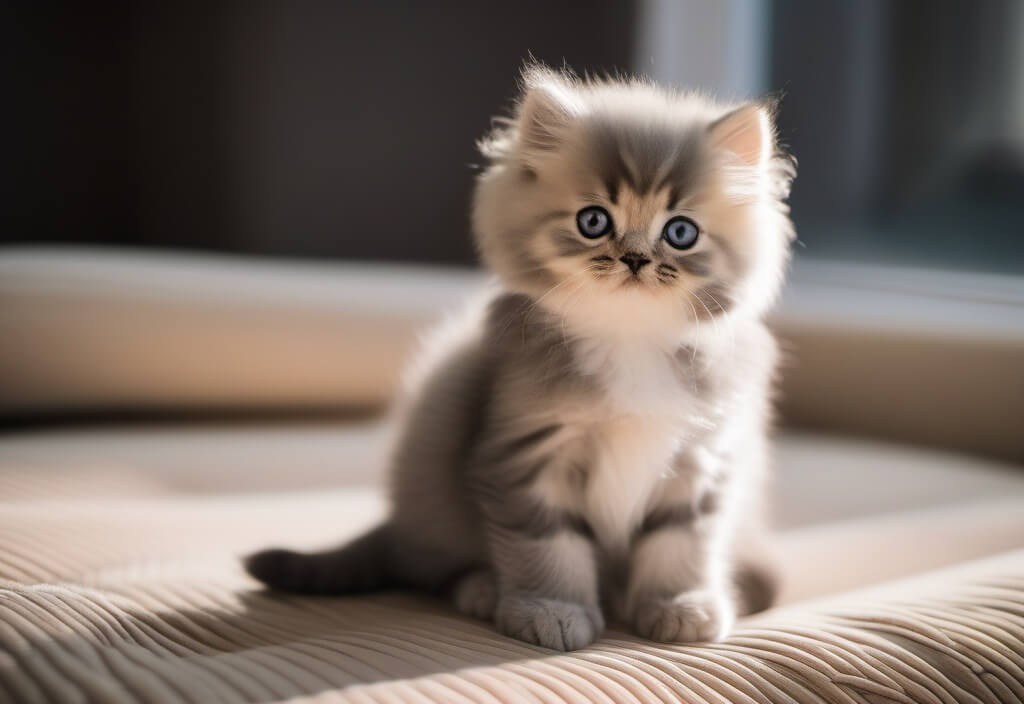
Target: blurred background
column 346, row 129
column 234, row 180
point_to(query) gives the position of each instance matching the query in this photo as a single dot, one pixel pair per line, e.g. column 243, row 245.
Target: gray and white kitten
column 589, row 440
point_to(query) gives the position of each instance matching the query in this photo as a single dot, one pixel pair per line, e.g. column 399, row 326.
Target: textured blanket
column 143, row 600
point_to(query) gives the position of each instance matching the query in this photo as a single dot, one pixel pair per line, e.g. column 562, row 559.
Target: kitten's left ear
column 747, row 132
column 549, row 104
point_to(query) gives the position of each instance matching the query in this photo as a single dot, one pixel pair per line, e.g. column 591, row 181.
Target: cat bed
column 182, row 633
column 119, row 582
column 119, row 573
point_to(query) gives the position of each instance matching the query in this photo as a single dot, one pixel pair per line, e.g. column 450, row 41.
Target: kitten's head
column 619, row 204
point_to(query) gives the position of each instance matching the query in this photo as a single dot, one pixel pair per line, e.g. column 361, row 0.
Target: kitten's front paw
column 688, row 617
column 559, row 625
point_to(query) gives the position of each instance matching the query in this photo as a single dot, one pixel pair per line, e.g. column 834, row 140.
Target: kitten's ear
column 549, row 104
column 747, row 132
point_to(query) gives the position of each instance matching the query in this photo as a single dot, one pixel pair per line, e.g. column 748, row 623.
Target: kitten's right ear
column 747, row 132
column 549, row 104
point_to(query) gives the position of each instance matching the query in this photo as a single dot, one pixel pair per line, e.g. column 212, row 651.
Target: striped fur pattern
column 588, row 441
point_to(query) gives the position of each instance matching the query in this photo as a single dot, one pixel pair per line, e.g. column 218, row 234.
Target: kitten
column 589, row 441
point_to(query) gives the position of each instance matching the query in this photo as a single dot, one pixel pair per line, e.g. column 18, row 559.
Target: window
column 907, row 117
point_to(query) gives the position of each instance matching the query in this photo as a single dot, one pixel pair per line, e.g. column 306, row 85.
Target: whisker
column 562, row 283
column 536, row 304
column 571, row 302
column 732, row 331
column 696, row 323
column 715, row 322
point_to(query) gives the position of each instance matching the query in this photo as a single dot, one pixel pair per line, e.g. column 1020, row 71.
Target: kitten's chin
column 621, row 308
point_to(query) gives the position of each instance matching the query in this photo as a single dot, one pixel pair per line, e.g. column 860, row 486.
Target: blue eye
column 593, row 222
column 681, row 232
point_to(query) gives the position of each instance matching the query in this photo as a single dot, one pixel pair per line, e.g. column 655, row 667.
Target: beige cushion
column 888, row 510
column 119, row 578
column 187, row 634
column 925, row 357
column 107, row 329
column 819, row 478
column 141, row 599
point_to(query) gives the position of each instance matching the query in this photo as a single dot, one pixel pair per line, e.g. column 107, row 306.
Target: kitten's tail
column 756, row 586
column 358, row 566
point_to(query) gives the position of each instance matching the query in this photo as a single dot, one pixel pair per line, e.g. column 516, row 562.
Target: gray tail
column 358, row 566
column 757, row 587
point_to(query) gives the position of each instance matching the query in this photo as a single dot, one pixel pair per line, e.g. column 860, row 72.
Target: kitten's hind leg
column 476, row 594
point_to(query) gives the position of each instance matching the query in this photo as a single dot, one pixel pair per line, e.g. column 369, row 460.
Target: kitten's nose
column 634, row 261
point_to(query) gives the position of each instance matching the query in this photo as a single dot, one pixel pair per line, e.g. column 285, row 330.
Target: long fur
column 586, row 441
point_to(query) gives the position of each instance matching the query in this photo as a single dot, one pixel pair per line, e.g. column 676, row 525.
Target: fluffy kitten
column 590, row 440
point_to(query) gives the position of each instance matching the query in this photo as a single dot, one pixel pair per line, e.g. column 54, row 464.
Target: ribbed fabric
column 142, row 600
column 188, row 633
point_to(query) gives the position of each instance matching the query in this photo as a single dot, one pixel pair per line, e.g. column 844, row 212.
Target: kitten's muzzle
column 634, row 261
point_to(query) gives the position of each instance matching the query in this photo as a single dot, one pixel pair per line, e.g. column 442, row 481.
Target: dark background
column 308, row 128
column 346, row 129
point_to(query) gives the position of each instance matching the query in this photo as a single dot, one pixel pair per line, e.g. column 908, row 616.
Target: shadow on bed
column 953, row 636
column 254, row 646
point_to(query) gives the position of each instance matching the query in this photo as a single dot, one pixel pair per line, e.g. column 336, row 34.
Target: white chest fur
column 633, row 434
column 635, row 376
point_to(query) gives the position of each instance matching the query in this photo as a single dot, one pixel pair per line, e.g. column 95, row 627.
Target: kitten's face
column 618, row 205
